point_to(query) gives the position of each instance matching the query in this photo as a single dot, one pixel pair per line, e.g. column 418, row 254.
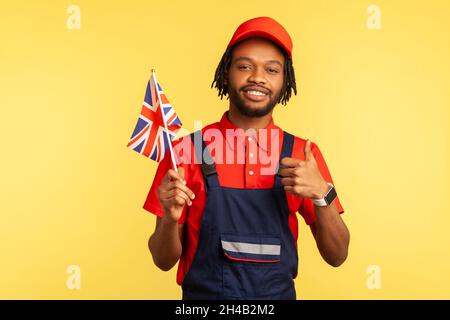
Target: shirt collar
column 225, row 124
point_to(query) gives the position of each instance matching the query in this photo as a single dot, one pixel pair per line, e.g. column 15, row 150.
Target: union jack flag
column 150, row 137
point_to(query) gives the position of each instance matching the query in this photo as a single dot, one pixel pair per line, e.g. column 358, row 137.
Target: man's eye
column 273, row 70
column 243, row 67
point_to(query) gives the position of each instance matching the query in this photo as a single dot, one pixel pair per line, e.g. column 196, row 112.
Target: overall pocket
column 251, row 267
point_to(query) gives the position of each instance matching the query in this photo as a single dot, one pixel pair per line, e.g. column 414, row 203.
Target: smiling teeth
column 256, row 93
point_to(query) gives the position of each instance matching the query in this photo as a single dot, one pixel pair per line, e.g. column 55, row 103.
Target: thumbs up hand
column 302, row 177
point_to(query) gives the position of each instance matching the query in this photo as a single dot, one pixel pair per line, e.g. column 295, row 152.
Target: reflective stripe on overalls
column 245, row 248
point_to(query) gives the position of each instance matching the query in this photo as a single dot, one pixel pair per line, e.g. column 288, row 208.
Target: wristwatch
column 328, row 198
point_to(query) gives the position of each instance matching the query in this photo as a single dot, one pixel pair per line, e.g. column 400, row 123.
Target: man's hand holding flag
column 156, row 127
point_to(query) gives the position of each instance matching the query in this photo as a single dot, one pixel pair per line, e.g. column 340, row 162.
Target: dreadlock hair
column 221, row 82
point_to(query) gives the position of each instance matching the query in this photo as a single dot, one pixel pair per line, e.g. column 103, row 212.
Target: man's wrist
column 327, row 198
column 167, row 220
column 321, row 191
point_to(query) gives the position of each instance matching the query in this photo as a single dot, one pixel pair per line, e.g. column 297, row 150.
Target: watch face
column 330, row 195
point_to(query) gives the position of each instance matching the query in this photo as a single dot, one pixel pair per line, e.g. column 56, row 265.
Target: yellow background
column 375, row 101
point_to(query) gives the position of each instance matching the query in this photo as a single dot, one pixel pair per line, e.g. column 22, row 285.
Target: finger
column 307, row 150
column 289, row 181
column 174, row 193
column 295, row 190
column 179, row 201
column 287, row 172
column 172, row 175
column 181, row 186
column 288, row 162
column 181, row 172
column 292, row 172
column 289, row 189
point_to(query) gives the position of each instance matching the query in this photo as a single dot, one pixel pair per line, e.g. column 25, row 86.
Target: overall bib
column 245, row 249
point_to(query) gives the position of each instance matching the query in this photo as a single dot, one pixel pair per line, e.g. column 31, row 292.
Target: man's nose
column 257, row 76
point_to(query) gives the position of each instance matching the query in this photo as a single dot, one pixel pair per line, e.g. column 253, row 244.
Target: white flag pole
column 172, row 156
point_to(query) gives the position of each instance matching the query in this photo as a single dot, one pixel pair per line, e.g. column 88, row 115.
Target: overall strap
column 286, row 151
column 207, row 162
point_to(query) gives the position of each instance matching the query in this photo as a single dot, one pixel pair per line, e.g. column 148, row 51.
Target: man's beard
column 252, row 112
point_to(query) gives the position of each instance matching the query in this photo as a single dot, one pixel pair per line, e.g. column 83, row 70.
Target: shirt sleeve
column 151, row 203
column 306, row 208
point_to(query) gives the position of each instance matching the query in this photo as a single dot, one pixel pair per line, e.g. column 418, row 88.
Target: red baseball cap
column 263, row 27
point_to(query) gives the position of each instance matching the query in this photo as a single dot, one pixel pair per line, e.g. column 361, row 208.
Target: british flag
column 151, row 135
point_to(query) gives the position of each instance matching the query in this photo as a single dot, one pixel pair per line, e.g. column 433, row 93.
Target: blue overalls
column 245, row 249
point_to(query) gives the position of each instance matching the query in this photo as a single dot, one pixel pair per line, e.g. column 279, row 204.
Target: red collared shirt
column 247, row 173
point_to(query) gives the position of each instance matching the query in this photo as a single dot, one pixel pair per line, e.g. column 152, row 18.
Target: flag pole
column 172, row 156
